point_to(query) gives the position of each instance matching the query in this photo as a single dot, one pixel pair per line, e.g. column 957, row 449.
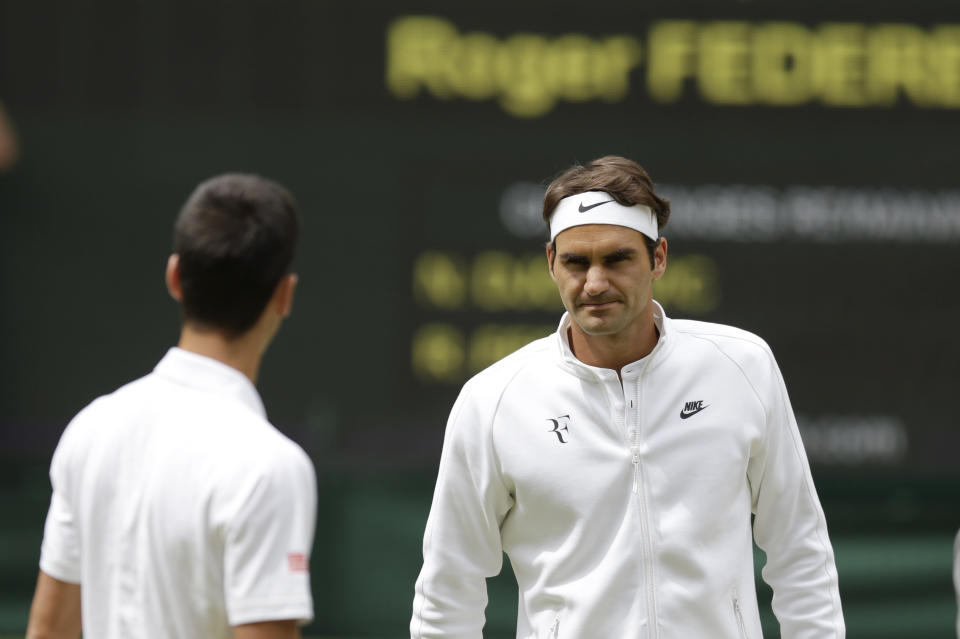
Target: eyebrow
column 618, row 254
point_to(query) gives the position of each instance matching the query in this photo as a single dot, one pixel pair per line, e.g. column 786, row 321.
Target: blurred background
column 809, row 149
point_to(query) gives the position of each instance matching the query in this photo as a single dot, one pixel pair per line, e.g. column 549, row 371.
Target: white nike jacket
column 625, row 510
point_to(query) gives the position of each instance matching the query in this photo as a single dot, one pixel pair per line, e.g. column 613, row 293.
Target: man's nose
column 596, row 281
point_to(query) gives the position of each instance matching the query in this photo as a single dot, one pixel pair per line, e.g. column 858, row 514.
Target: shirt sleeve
column 268, row 541
column 60, row 549
column 789, row 524
column 461, row 544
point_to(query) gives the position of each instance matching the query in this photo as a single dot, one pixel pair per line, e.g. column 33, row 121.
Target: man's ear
column 172, row 278
column 283, row 294
column 550, row 257
column 660, row 258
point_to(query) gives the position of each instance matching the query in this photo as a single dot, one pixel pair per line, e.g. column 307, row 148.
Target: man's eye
column 618, row 257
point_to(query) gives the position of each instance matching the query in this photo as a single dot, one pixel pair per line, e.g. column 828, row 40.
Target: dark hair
column 236, row 237
column 625, row 180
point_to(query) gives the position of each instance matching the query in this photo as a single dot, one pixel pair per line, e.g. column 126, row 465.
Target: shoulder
column 104, row 413
column 747, row 353
column 286, row 455
column 274, row 476
column 285, row 467
column 745, row 350
column 481, row 395
column 255, row 447
column 256, row 468
column 733, row 342
column 499, row 376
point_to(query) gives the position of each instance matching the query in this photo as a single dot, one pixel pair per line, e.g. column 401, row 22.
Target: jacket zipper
column 737, row 612
column 554, row 629
column 638, row 479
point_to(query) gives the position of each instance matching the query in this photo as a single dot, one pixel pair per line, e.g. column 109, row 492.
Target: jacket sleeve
column 789, row 524
column 461, row 544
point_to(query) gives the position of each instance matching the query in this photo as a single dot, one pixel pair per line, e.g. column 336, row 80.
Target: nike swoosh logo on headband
column 584, row 209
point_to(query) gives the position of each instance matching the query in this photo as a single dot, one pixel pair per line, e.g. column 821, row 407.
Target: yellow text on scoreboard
column 494, row 286
column 835, row 64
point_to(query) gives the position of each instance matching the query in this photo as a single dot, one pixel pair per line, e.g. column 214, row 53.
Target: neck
column 242, row 353
column 614, row 351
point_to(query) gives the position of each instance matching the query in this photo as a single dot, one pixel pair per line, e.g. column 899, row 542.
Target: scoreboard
column 727, row 62
column 809, row 151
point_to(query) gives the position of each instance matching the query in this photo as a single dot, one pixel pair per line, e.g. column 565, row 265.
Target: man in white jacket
column 618, row 461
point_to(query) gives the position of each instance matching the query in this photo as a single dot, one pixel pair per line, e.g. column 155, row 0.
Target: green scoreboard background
column 809, row 151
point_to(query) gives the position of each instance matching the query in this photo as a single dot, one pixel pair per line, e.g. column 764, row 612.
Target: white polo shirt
column 180, row 509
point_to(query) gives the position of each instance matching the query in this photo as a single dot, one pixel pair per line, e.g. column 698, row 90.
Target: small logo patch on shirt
column 297, row 562
column 561, row 423
column 692, row 408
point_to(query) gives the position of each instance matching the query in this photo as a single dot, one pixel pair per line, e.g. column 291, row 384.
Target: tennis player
column 178, row 510
column 619, row 461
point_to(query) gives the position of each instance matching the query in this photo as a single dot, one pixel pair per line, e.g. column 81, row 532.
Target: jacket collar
column 569, row 361
column 205, row 373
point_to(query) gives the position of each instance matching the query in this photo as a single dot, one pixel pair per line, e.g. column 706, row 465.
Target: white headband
column 599, row 207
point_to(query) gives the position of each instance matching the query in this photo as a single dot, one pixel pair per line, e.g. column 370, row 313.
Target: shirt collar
column 202, row 372
column 571, row 363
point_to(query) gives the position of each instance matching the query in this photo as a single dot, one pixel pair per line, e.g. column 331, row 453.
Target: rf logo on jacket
column 561, row 423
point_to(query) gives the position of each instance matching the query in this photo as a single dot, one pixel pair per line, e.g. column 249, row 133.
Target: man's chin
column 592, row 325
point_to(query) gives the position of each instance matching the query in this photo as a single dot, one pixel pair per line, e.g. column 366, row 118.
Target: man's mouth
column 594, row 304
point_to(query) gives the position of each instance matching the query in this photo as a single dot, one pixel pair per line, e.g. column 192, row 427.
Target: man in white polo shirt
column 178, row 510
column 618, row 461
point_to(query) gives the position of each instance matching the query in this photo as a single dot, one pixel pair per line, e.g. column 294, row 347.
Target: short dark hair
column 626, row 181
column 235, row 238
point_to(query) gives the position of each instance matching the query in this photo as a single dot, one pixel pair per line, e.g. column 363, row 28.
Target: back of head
column 235, row 238
column 625, row 180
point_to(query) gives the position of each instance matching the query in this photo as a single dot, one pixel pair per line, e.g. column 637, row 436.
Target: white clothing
column 956, row 577
column 625, row 510
column 180, row 509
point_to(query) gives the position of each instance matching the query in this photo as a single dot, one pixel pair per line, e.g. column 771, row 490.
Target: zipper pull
column 555, row 628
column 636, row 471
column 738, row 613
